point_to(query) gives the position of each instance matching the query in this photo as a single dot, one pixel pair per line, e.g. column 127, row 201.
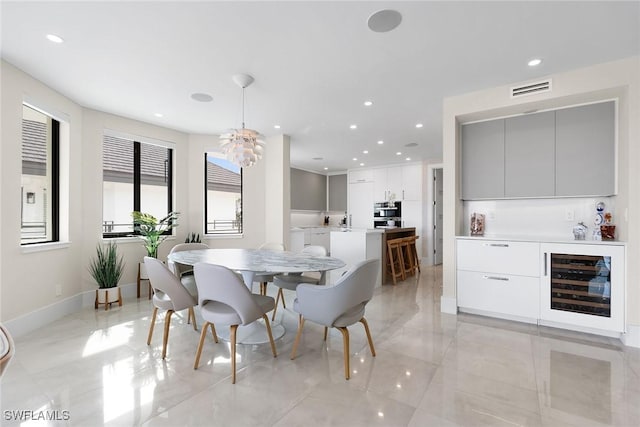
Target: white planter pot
column 143, row 271
column 108, row 296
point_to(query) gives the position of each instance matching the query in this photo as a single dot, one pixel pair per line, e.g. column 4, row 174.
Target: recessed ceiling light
column 54, row 38
column 411, row 144
column 368, row 103
column 361, row 164
column 201, row 97
column 384, row 20
column 353, row 127
column 534, row 62
column 399, row 153
column 276, row 126
column 408, row 158
column 380, row 142
column 355, row 159
column 157, row 114
column 326, row 169
column 419, row 125
column 317, row 158
column 365, row 152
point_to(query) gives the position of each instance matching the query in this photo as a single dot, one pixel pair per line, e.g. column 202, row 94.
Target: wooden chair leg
column 234, row 329
column 153, row 322
column 200, row 344
column 165, row 337
column 278, row 296
column 366, row 329
column 263, row 288
column 273, row 344
column 326, row 329
column 213, row 332
column 297, row 340
column 192, row 316
column 345, row 340
column 138, row 280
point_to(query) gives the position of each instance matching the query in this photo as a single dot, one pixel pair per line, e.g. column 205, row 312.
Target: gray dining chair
column 338, row 306
column 170, row 295
column 264, row 279
column 184, row 271
column 290, row 281
column 224, row 299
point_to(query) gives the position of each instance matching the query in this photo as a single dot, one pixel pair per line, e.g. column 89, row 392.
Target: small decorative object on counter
column 598, row 221
column 580, row 231
column 477, row 224
column 608, row 230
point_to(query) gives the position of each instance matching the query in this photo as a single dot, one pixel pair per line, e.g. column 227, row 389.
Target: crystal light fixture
column 243, row 146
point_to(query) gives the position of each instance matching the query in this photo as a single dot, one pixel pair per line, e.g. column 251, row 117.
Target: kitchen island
column 354, row 245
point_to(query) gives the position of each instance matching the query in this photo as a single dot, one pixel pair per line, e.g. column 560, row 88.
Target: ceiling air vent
column 531, row 88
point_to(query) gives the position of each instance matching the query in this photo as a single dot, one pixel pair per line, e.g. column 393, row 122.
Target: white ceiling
column 314, row 63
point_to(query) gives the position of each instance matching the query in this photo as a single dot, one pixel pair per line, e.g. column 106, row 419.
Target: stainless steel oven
column 387, row 215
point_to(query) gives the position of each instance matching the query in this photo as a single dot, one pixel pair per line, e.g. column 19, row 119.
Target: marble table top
column 258, row 260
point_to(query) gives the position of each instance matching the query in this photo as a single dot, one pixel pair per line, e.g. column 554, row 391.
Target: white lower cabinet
column 578, row 286
column 516, row 296
column 499, row 278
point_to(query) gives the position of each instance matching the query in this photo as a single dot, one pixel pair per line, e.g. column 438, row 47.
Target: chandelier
column 242, row 147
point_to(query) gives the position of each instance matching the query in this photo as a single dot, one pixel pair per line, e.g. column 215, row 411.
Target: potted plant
column 152, row 231
column 106, row 269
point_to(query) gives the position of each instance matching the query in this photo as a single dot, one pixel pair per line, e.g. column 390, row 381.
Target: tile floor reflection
column 431, row 369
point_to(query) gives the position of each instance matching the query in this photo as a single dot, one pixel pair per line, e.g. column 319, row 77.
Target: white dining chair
column 170, row 295
column 264, row 279
column 225, row 300
column 338, row 306
column 290, row 281
column 183, row 271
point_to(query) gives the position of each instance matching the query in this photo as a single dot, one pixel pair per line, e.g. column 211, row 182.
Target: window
column 137, row 176
column 222, row 196
column 39, row 213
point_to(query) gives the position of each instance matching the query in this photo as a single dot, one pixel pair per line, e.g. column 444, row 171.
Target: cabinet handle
column 503, row 279
column 545, row 263
column 497, row 245
column 402, row 194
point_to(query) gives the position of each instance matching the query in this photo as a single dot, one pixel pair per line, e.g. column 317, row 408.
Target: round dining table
column 249, row 262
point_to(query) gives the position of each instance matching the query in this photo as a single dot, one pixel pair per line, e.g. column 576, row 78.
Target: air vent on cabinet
column 531, row 88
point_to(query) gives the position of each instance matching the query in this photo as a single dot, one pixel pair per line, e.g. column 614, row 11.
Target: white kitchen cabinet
column 583, row 285
column 360, row 175
column 319, row 237
column 353, row 247
column 380, row 187
column 361, row 201
column 412, row 182
column 499, row 278
column 296, row 239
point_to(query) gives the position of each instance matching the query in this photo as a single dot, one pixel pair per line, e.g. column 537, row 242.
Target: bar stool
column 395, row 259
column 412, row 261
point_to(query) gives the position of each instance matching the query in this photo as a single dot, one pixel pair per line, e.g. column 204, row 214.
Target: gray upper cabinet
column 483, row 160
column 585, row 150
column 338, row 193
column 529, row 155
column 308, row 191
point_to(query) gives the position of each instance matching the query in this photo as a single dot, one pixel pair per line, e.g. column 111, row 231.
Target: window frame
column 240, row 232
column 55, row 180
column 137, row 182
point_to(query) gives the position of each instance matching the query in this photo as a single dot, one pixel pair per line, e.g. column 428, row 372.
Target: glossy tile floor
column 431, row 369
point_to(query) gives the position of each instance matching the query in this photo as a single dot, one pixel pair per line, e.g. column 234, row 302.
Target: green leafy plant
column 193, row 238
column 106, row 268
column 152, row 231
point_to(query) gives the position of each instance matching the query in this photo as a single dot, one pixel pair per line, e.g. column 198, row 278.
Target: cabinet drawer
column 499, row 293
column 496, row 256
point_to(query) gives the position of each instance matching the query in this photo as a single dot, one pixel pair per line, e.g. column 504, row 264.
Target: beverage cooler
column 583, row 285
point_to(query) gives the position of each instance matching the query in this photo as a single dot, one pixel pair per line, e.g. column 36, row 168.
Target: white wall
column 615, row 80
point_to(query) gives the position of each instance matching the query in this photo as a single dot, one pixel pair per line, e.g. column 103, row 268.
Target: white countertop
column 545, row 239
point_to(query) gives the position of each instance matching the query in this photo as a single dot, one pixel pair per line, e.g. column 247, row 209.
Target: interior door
column 437, row 216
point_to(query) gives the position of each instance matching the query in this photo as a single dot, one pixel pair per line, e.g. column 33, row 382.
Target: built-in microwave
column 386, row 214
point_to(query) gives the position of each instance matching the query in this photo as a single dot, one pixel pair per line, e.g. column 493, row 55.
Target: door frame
column 428, row 214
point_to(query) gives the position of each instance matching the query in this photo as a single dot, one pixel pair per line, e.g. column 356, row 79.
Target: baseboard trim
column 29, row 322
column 632, row 337
column 448, row 305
